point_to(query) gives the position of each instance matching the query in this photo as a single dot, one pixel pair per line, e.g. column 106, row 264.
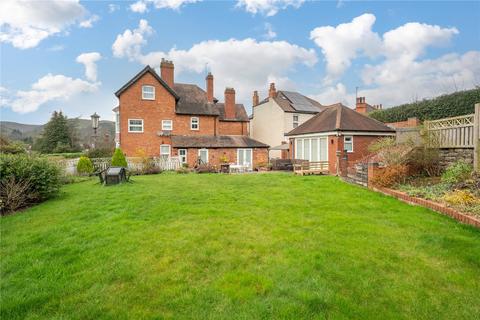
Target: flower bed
column 458, row 188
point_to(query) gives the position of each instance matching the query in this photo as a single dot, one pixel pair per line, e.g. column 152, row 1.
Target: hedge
column 450, row 105
column 25, row 180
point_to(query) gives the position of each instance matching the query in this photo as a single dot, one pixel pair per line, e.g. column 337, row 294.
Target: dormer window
column 148, row 92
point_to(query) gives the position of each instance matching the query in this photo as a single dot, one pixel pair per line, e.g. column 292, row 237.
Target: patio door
column 245, row 157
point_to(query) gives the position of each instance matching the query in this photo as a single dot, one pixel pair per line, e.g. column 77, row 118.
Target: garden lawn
column 236, row 247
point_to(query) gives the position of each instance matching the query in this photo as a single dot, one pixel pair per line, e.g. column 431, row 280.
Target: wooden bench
column 310, row 167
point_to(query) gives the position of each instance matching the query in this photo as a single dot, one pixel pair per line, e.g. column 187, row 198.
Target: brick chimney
column 272, row 92
column 229, row 103
column 166, row 72
column 255, row 99
column 361, row 106
column 209, row 80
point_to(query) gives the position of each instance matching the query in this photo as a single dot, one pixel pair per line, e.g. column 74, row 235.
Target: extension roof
column 338, row 117
column 204, row 141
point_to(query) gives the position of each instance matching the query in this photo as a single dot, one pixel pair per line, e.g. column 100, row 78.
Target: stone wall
column 452, row 155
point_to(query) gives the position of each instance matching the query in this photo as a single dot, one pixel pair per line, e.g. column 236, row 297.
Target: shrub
column 389, row 152
column 425, row 161
column 451, row 105
column 84, row 165
column 460, row 197
column 432, row 192
column 11, row 147
column 183, row 170
column 26, row 180
column 391, row 176
column 118, row 159
column 100, row 153
column 457, row 172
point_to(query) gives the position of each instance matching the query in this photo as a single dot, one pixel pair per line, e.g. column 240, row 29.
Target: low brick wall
column 431, row 205
column 449, row 156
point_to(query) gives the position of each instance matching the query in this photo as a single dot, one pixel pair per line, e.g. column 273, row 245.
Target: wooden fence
column 457, row 132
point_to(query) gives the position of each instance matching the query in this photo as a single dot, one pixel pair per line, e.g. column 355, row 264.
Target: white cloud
column 403, row 83
column 401, row 76
column 341, row 44
column 130, row 42
column 89, row 22
column 410, row 40
column 141, row 6
column 269, row 33
column 334, row 94
column 113, row 7
column 245, row 64
column 25, row 24
column 89, row 60
column 268, row 7
column 50, row 88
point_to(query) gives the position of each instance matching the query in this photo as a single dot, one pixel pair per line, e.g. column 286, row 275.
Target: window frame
column 185, row 155
column 198, row 123
column 244, row 156
column 166, row 121
column 295, row 121
column 143, row 92
column 117, row 122
column 136, row 125
column 199, row 156
column 169, row 150
column 350, row 143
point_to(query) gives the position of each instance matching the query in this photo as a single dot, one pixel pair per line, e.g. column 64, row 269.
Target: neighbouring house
column 363, row 107
column 335, row 132
column 278, row 114
column 158, row 117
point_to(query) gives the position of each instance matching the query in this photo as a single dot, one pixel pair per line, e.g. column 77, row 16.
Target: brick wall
column 232, row 128
column 410, row 123
column 360, row 150
column 131, row 106
column 260, row 155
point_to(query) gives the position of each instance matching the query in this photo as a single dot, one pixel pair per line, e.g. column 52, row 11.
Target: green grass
column 236, row 247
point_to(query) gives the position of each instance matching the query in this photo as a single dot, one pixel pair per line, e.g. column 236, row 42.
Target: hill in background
column 28, row 132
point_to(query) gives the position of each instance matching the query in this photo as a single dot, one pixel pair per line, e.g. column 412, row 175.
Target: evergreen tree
column 118, row 159
column 56, row 135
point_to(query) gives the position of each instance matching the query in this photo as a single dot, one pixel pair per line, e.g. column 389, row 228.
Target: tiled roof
column 240, row 113
column 216, row 142
column 338, row 117
column 191, row 99
column 288, row 106
column 139, row 75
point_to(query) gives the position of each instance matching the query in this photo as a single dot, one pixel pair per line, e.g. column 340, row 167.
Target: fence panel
column 455, row 132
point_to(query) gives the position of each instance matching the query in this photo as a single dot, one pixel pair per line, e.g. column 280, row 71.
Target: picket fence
column 134, row 164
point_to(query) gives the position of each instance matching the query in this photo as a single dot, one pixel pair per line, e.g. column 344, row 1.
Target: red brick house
column 334, row 131
column 160, row 118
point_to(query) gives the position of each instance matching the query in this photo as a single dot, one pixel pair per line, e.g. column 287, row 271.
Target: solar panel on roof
column 299, row 102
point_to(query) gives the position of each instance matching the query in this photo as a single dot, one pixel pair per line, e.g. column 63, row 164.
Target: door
column 182, row 154
column 203, row 155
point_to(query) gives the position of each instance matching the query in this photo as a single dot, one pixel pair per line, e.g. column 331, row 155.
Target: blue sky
column 73, row 56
